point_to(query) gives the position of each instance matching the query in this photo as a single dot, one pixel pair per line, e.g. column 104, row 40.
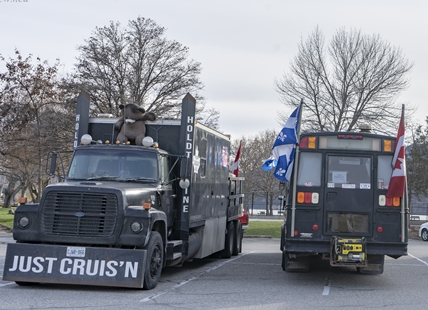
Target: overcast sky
column 243, row 45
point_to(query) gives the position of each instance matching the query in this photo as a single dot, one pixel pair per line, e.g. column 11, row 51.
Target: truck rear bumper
column 74, row 265
column 308, row 246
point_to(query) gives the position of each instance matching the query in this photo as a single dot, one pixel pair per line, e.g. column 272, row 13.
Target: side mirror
column 52, row 165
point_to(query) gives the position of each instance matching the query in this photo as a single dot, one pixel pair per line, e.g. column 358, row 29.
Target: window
column 113, row 163
column 347, row 223
column 362, row 143
column 349, row 172
column 164, row 169
column 384, row 171
column 309, row 169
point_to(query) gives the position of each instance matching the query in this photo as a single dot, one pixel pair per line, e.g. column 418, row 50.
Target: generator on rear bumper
column 347, row 251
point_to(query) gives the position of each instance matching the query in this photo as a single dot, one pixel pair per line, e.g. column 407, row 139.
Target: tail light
column 307, row 197
column 389, row 201
column 308, row 143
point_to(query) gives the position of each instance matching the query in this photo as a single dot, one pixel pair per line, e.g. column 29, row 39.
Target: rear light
column 315, row 198
column 380, row 229
column 308, row 143
column 354, row 137
column 396, row 201
column 300, row 197
column 389, row 201
column 312, row 142
column 307, row 197
column 315, row 227
column 387, row 145
column 303, row 143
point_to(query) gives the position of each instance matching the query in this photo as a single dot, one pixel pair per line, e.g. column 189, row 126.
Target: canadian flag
column 398, row 178
column 235, row 165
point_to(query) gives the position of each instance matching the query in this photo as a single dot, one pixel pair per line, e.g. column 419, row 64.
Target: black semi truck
column 124, row 212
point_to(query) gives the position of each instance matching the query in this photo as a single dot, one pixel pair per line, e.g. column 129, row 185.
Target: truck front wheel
column 154, row 261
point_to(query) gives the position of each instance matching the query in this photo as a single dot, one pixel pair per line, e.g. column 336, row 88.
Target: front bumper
column 74, row 265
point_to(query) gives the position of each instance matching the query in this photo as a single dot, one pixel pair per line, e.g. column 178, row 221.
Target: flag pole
column 295, row 167
column 405, row 197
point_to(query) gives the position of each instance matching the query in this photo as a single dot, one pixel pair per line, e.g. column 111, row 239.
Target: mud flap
column 374, row 266
column 74, row 265
column 294, row 263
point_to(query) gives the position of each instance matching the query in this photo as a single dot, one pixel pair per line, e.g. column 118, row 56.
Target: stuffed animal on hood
column 131, row 125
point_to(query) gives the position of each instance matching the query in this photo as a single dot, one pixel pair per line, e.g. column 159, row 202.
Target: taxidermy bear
column 131, row 125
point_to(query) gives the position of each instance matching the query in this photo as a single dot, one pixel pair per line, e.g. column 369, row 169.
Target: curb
column 257, row 236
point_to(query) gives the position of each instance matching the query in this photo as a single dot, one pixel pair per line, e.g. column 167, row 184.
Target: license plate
column 73, row 251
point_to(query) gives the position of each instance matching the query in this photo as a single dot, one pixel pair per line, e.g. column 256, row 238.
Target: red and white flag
column 235, row 165
column 398, row 178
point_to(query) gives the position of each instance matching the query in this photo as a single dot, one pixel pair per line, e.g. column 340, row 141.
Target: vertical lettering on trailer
column 186, row 201
column 82, row 118
column 189, row 152
column 76, row 131
column 187, row 131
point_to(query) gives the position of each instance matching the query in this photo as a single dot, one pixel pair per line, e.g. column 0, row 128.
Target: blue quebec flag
column 284, row 149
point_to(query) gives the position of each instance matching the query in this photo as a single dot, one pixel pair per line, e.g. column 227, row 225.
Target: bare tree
column 34, row 122
column 417, row 161
column 137, row 64
column 355, row 81
column 209, row 117
column 253, row 154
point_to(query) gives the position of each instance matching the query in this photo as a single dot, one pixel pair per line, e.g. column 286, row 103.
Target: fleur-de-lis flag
column 284, row 149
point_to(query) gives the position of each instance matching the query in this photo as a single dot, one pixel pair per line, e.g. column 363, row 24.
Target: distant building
column 419, row 205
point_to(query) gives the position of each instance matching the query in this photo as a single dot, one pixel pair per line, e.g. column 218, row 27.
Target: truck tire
column 228, row 243
column 424, row 234
column 237, row 242
column 154, row 261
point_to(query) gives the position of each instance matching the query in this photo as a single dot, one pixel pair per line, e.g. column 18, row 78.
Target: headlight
column 23, row 222
column 136, row 227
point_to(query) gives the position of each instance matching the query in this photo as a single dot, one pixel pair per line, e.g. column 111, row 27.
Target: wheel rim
column 424, row 235
column 155, row 262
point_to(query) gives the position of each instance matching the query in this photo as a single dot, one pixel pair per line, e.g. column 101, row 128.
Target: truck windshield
column 90, row 164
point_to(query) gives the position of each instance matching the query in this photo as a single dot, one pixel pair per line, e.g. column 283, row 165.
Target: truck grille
column 80, row 214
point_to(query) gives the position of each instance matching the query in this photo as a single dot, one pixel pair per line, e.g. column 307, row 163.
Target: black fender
column 158, row 222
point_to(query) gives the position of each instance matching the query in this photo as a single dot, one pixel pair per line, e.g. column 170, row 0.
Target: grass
column 264, row 228
column 6, row 219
